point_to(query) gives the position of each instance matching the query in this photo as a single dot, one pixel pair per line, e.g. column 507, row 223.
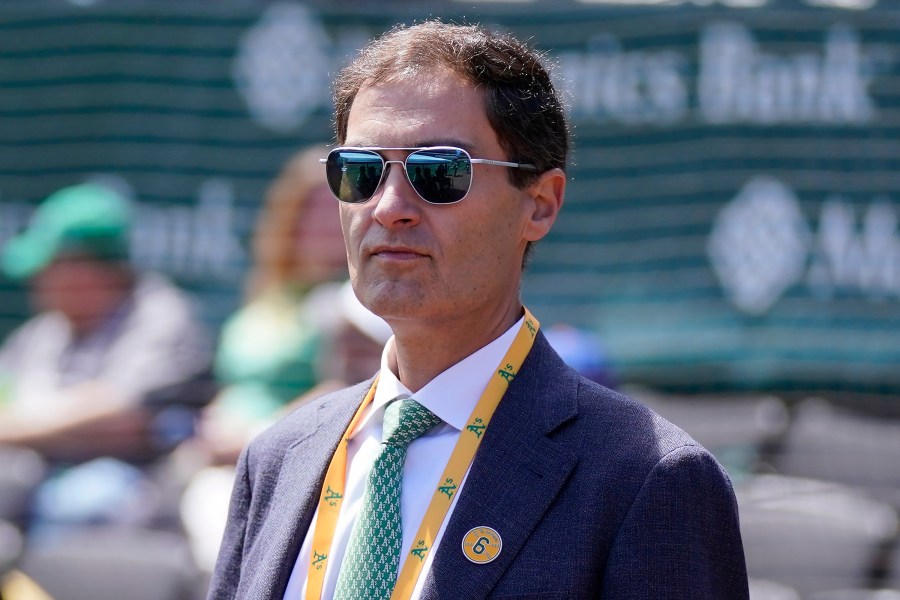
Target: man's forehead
column 424, row 89
column 434, row 109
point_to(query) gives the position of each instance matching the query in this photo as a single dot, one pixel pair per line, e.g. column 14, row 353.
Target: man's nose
column 397, row 202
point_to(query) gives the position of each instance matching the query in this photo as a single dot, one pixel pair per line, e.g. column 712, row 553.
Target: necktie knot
column 406, row 420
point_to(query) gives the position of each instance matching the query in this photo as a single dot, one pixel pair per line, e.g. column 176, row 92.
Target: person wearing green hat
column 81, row 219
column 110, row 349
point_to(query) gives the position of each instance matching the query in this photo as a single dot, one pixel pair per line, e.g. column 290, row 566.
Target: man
column 528, row 481
column 110, row 350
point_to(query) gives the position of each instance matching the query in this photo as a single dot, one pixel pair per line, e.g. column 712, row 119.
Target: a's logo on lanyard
column 332, row 497
column 507, row 373
column 448, row 488
column 481, row 544
column 420, row 551
column 477, row 427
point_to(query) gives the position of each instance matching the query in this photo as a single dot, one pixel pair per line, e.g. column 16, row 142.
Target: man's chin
column 394, row 300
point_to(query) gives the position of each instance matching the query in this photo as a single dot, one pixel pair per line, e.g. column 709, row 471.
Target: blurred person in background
column 351, row 339
column 111, row 369
column 269, row 348
column 354, row 336
column 300, row 334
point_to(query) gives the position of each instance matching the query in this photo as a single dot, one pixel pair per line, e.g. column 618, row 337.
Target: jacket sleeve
column 227, row 573
column 681, row 537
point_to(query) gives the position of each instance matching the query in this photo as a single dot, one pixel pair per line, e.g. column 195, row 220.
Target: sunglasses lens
column 353, row 175
column 440, row 175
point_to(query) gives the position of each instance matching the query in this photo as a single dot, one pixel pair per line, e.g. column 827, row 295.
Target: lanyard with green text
column 460, row 459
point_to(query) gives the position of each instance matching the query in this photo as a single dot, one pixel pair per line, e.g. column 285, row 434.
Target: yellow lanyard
column 463, row 453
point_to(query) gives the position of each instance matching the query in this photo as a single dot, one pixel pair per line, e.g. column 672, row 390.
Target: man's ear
column 547, row 198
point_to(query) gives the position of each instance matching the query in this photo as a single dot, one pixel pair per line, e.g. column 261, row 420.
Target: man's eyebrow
column 456, row 143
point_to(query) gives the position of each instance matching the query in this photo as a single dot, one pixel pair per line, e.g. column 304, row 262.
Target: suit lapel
column 517, row 473
column 297, row 491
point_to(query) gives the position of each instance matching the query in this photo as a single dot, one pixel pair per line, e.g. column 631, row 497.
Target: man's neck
column 423, row 351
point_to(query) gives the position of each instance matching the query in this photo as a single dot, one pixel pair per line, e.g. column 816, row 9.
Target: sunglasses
column 439, row 174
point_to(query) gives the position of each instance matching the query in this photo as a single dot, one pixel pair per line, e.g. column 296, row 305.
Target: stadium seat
column 811, row 535
column 893, row 570
column 830, row 443
column 881, row 594
column 111, row 563
column 11, row 544
column 21, row 470
column 762, row 589
column 736, row 429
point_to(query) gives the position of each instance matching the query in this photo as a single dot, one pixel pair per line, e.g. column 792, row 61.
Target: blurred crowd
column 122, row 415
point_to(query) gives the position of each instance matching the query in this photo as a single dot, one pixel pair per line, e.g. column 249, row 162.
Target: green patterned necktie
column 372, row 558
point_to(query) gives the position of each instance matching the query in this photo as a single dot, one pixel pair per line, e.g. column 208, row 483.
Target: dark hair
column 520, row 101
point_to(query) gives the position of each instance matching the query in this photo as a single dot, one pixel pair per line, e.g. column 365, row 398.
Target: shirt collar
column 453, row 394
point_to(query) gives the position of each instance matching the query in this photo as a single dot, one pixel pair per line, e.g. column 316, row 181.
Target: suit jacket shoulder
column 595, row 488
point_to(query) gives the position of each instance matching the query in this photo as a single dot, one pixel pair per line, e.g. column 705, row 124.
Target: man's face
column 413, row 260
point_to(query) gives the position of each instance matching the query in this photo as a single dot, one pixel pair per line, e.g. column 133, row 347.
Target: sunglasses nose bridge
column 402, row 169
column 393, row 162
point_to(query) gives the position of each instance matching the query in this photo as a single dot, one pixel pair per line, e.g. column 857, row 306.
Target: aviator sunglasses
column 439, row 174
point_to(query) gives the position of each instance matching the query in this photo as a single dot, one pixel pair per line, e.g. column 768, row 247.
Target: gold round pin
column 482, row 544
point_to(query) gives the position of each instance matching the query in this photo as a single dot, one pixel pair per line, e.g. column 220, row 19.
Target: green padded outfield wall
column 731, row 220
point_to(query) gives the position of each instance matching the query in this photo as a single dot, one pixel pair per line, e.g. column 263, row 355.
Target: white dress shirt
column 452, row 396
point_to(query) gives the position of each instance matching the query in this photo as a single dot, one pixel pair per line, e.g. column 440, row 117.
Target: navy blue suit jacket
column 593, row 494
